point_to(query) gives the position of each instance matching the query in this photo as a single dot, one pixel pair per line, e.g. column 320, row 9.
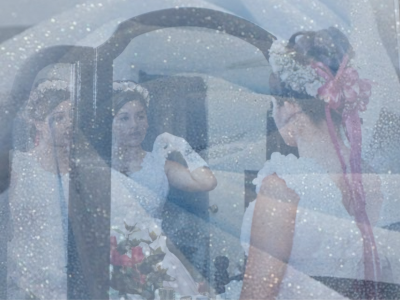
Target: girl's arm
column 198, row 180
column 271, row 239
column 197, row 177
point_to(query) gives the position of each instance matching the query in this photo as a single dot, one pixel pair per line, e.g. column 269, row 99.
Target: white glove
column 167, row 143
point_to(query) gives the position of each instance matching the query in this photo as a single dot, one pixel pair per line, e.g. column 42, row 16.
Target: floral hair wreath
column 124, row 86
column 344, row 90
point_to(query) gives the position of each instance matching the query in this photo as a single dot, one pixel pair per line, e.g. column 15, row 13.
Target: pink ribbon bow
column 346, row 89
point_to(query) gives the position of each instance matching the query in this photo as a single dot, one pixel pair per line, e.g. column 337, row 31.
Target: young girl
column 140, row 179
column 313, row 216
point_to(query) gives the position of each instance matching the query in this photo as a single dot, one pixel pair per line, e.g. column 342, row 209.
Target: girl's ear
column 291, row 107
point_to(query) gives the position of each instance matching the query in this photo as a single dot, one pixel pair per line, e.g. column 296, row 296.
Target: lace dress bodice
column 152, row 177
column 140, row 196
column 138, row 199
column 326, row 241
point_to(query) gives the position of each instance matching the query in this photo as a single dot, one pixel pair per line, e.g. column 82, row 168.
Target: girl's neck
column 315, row 142
column 49, row 157
column 128, row 159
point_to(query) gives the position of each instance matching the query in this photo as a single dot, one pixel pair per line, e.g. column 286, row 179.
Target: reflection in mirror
column 191, row 129
column 38, row 194
column 140, row 184
column 199, row 83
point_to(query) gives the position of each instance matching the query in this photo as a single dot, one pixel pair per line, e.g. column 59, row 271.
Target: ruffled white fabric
column 326, row 242
column 166, row 143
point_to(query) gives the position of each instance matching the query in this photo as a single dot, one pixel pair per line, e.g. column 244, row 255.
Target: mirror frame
column 94, row 65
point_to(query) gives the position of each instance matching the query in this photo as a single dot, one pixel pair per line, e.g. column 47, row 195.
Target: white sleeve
column 246, row 227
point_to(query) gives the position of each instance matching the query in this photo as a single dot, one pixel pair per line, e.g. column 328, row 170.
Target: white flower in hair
column 300, row 78
column 132, row 86
column 47, row 85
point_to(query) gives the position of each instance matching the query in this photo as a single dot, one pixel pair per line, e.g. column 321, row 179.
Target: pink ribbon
column 348, row 93
column 346, row 89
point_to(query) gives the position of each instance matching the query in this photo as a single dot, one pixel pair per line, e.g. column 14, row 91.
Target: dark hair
column 328, row 46
column 42, row 103
column 120, row 98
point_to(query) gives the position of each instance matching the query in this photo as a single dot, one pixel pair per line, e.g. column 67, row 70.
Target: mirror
column 199, row 83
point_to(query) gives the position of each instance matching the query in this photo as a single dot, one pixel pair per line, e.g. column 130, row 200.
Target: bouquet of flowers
column 133, row 272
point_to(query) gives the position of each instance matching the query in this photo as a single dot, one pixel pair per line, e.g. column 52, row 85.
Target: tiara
column 49, row 84
column 39, row 91
column 124, row 86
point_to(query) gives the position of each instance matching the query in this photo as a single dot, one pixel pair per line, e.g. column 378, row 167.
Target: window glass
column 205, row 149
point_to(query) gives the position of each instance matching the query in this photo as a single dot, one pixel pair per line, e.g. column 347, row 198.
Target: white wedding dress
column 326, row 242
column 139, row 199
column 36, row 253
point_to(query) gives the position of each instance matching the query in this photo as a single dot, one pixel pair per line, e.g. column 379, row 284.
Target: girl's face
column 130, row 125
column 56, row 129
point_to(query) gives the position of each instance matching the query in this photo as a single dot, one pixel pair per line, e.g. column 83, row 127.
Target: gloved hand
column 167, row 143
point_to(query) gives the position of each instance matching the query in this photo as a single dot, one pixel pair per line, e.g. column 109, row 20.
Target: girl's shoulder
column 274, row 187
column 278, row 165
column 22, row 161
column 302, row 176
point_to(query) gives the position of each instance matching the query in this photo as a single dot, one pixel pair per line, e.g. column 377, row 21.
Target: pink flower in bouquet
column 120, row 260
column 126, row 261
column 137, row 255
column 116, row 259
column 113, row 242
column 202, row 287
column 142, row 279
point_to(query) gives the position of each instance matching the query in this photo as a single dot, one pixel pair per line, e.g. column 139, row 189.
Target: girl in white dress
column 38, row 198
column 140, row 179
column 314, row 215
